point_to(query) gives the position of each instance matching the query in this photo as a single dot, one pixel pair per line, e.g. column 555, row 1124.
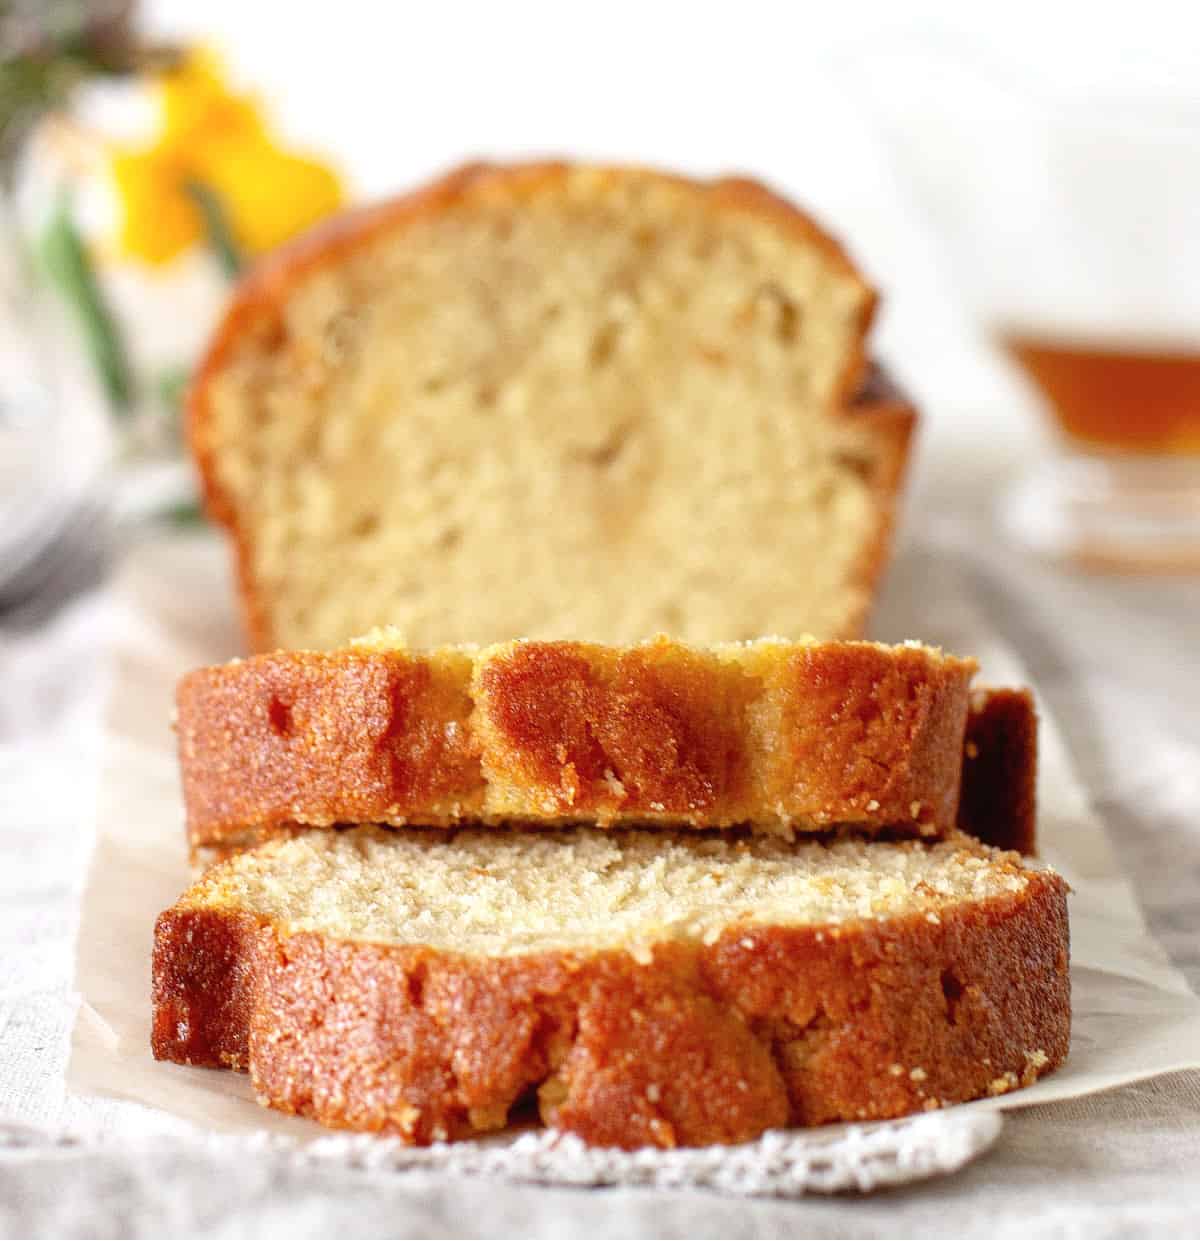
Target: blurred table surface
column 1116, row 659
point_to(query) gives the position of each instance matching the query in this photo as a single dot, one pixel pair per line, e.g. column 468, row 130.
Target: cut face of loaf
column 779, row 736
column 554, row 401
column 647, row 987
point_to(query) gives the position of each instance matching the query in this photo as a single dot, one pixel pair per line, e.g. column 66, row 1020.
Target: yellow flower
column 197, row 105
column 215, row 138
column 268, row 195
column 158, row 222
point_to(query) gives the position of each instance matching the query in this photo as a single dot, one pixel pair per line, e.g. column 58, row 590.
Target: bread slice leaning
column 997, row 803
column 647, row 988
column 780, row 736
column 998, row 799
column 553, row 400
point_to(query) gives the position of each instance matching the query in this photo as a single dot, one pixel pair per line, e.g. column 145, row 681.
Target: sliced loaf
column 647, row 987
column 555, row 401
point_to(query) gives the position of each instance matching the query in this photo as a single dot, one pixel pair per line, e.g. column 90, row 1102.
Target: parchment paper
column 1134, row 1015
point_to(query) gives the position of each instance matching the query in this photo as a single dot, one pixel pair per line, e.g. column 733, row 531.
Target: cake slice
column 997, row 802
column 557, row 401
column 998, row 799
column 646, row 988
column 779, row 736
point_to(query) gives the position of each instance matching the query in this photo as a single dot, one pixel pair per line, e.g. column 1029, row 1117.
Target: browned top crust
column 256, row 310
column 778, row 735
column 696, row 1043
column 893, row 420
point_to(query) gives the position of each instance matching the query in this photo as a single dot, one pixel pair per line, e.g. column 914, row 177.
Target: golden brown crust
column 312, row 738
column 256, row 309
column 655, row 730
column 880, row 724
column 893, row 422
column 210, row 954
column 777, row 735
column 998, row 804
column 769, row 1025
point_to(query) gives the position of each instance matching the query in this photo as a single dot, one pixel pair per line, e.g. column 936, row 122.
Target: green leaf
column 171, row 384
column 185, row 515
column 69, row 265
column 216, row 227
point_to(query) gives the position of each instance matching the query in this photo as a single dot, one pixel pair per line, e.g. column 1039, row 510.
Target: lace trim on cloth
column 780, row 1164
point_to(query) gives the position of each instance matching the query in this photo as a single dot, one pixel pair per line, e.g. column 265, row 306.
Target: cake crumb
column 1002, row 1085
column 1034, row 1061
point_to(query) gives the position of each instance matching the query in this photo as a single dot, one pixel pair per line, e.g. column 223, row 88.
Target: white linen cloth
column 1117, row 1163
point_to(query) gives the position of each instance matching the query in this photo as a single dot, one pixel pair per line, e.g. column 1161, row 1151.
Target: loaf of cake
column 667, row 891
column 553, row 401
column 645, row 987
column 780, row 736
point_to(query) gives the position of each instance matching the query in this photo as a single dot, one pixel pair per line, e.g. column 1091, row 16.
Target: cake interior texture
column 645, row 987
column 598, row 410
column 488, row 894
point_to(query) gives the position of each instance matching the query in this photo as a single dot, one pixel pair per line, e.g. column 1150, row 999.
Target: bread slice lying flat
column 646, row 987
column 781, row 736
column 557, row 401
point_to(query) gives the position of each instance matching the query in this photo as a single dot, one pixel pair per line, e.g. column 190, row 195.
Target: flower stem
column 171, row 386
column 67, row 261
column 216, row 227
